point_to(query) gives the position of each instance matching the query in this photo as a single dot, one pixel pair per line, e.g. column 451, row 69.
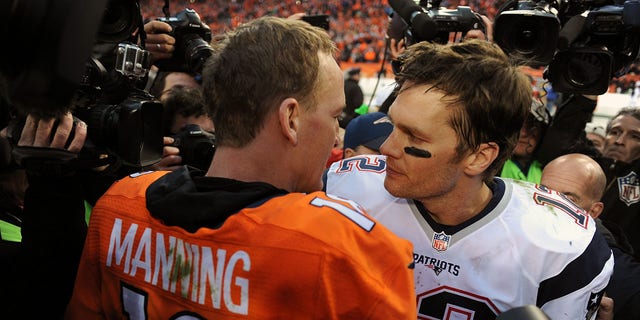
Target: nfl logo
column 440, row 241
column 629, row 188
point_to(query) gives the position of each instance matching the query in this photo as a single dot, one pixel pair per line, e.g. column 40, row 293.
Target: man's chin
column 393, row 188
column 615, row 155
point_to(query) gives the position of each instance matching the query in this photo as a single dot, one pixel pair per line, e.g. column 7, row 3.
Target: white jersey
column 530, row 246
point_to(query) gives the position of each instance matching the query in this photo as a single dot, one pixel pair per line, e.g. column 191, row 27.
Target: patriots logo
column 629, row 188
column 440, row 241
column 435, row 268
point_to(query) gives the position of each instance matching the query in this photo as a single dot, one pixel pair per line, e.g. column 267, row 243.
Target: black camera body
column 196, row 146
column 528, row 33
column 130, row 130
column 429, row 22
column 192, row 47
column 596, row 41
column 461, row 19
column 606, row 47
column 124, row 121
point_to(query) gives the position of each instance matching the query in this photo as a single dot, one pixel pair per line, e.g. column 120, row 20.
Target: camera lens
column 530, row 36
column 119, row 21
column 581, row 70
column 196, row 52
column 103, row 121
column 526, row 40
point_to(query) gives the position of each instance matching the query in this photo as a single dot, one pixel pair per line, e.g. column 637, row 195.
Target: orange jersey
column 296, row 256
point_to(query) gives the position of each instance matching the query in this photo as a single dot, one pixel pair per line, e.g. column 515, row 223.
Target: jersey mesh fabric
column 293, row 257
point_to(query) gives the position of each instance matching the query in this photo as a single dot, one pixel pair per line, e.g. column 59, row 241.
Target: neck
column 252, row 163
column 459, row 205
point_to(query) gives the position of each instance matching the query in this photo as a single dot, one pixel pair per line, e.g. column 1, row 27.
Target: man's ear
column 348, row 153
column 596, row 209
column 289, row 114
column 480, row 160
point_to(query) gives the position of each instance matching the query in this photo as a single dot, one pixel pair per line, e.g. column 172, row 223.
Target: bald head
column 579, row 177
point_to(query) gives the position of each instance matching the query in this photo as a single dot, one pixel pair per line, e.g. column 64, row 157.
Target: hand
column 38, row 133
column 605, row 312
column 159, row 43
column 396, row 48
column 171, row 159
column 297, row 16
column 45, row 151
column 477, row 34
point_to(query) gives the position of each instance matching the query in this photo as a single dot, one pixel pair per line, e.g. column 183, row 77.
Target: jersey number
column 362, row 164
column 558, row 200
column 135, row 301
column 358, row 217
column 448, row 303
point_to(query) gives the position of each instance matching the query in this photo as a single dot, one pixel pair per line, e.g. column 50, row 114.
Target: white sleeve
column 361, row 179
column 582, row 303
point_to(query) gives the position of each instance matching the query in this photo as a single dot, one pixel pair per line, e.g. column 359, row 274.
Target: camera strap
column 45, row 161
column 55, row 162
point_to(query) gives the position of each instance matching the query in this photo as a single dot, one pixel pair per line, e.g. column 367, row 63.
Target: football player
column 482, row 244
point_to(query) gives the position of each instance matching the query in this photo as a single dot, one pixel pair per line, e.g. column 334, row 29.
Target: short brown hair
column 626, row 111
column 490, row 96
column 255, row 67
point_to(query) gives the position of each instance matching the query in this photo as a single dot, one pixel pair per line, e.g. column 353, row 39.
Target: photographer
column 179, row 46
column 188, row 130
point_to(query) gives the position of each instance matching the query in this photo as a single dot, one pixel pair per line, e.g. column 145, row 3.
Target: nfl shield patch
column 440, row 241
column 629, row 188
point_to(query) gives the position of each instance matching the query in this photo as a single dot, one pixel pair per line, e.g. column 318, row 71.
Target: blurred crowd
column 357, row 27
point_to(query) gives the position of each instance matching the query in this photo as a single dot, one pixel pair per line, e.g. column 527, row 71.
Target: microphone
column 422, row 26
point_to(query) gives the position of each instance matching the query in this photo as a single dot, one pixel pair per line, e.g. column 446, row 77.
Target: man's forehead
column 627, row 121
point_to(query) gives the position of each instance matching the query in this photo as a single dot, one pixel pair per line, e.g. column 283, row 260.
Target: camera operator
column 179, row 46
column 53, row 219
column 188, row 130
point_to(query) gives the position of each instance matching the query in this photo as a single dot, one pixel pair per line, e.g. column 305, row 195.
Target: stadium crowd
column 464, row 208
column 358, row 27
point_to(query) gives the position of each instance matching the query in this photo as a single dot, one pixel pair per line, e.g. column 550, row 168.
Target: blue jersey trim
column 577, row 274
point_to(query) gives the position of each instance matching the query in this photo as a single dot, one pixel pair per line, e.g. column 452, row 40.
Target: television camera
column 583, row 44
column 429, row 22
column 91, row 66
